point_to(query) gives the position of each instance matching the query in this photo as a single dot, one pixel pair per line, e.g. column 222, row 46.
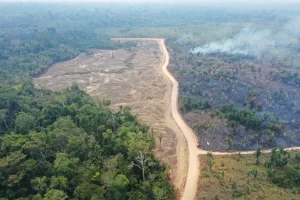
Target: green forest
column 65, row 144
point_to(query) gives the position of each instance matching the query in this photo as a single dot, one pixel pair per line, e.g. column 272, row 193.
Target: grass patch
column 239, row 177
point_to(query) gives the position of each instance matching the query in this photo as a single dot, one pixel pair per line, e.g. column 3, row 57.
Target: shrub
column 246, row 117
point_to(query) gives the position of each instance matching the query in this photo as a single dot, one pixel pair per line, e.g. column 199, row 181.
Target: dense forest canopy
column 66, row 145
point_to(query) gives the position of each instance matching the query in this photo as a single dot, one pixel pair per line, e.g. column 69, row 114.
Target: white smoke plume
column 256, row 43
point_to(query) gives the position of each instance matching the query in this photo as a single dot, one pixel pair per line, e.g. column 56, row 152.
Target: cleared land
column 130, row 77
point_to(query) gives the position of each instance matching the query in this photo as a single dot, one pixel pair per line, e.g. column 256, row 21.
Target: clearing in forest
column 132, row 77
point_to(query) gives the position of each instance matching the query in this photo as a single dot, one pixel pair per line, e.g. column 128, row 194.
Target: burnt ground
column 270, row 89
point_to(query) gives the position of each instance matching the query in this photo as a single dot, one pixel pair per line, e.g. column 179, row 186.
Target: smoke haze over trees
column 258, row 43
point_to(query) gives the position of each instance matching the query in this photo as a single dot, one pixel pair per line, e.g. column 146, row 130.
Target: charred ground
column 238, row 102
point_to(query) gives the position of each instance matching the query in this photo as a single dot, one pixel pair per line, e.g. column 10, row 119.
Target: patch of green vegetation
column 188, row 103
column 66, row 145
column 244, row 117
column 283, row 170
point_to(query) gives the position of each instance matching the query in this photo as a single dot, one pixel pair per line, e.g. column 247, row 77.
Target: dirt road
column 243, row 152
column 191, row 177
column 193, row 163
column 171, row 118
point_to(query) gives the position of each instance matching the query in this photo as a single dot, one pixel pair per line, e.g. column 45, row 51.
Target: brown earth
column 132, row 77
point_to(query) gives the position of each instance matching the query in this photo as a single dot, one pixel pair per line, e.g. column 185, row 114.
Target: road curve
column 190, row 189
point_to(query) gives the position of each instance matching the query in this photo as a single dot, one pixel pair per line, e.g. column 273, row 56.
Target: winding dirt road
column 191, row 175
column 190, row 189
column 193, row 162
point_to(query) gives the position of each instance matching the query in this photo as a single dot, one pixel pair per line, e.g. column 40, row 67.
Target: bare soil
column 132, row 77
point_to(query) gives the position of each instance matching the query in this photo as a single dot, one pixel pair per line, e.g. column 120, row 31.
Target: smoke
column 257, row 43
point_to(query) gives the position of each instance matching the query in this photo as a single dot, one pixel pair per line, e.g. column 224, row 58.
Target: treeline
column 66, row 145
column 118, row 15
column 31, row 54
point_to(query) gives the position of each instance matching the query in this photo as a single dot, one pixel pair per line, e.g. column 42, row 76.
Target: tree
column 160, row 136
column 271, row 136
column 39, row 184
column 118, row 188
column 158, row 193
column 279, row 158
column 210, row 164
column 297, row 157
column 11, row 171
column 209, row 155
column 141, row 160
column 59, row 182
column 3, row 117
column 87, row 191
column 24, row 123
column 106, row 102
column 257, row 154
column 55, row 195
column 13, row 142
column 228, row 142
column 64, row 166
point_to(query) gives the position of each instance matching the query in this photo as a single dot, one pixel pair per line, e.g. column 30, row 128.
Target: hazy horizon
column 220, row 2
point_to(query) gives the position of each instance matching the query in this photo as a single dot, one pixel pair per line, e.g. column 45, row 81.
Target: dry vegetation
column 239, row 177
